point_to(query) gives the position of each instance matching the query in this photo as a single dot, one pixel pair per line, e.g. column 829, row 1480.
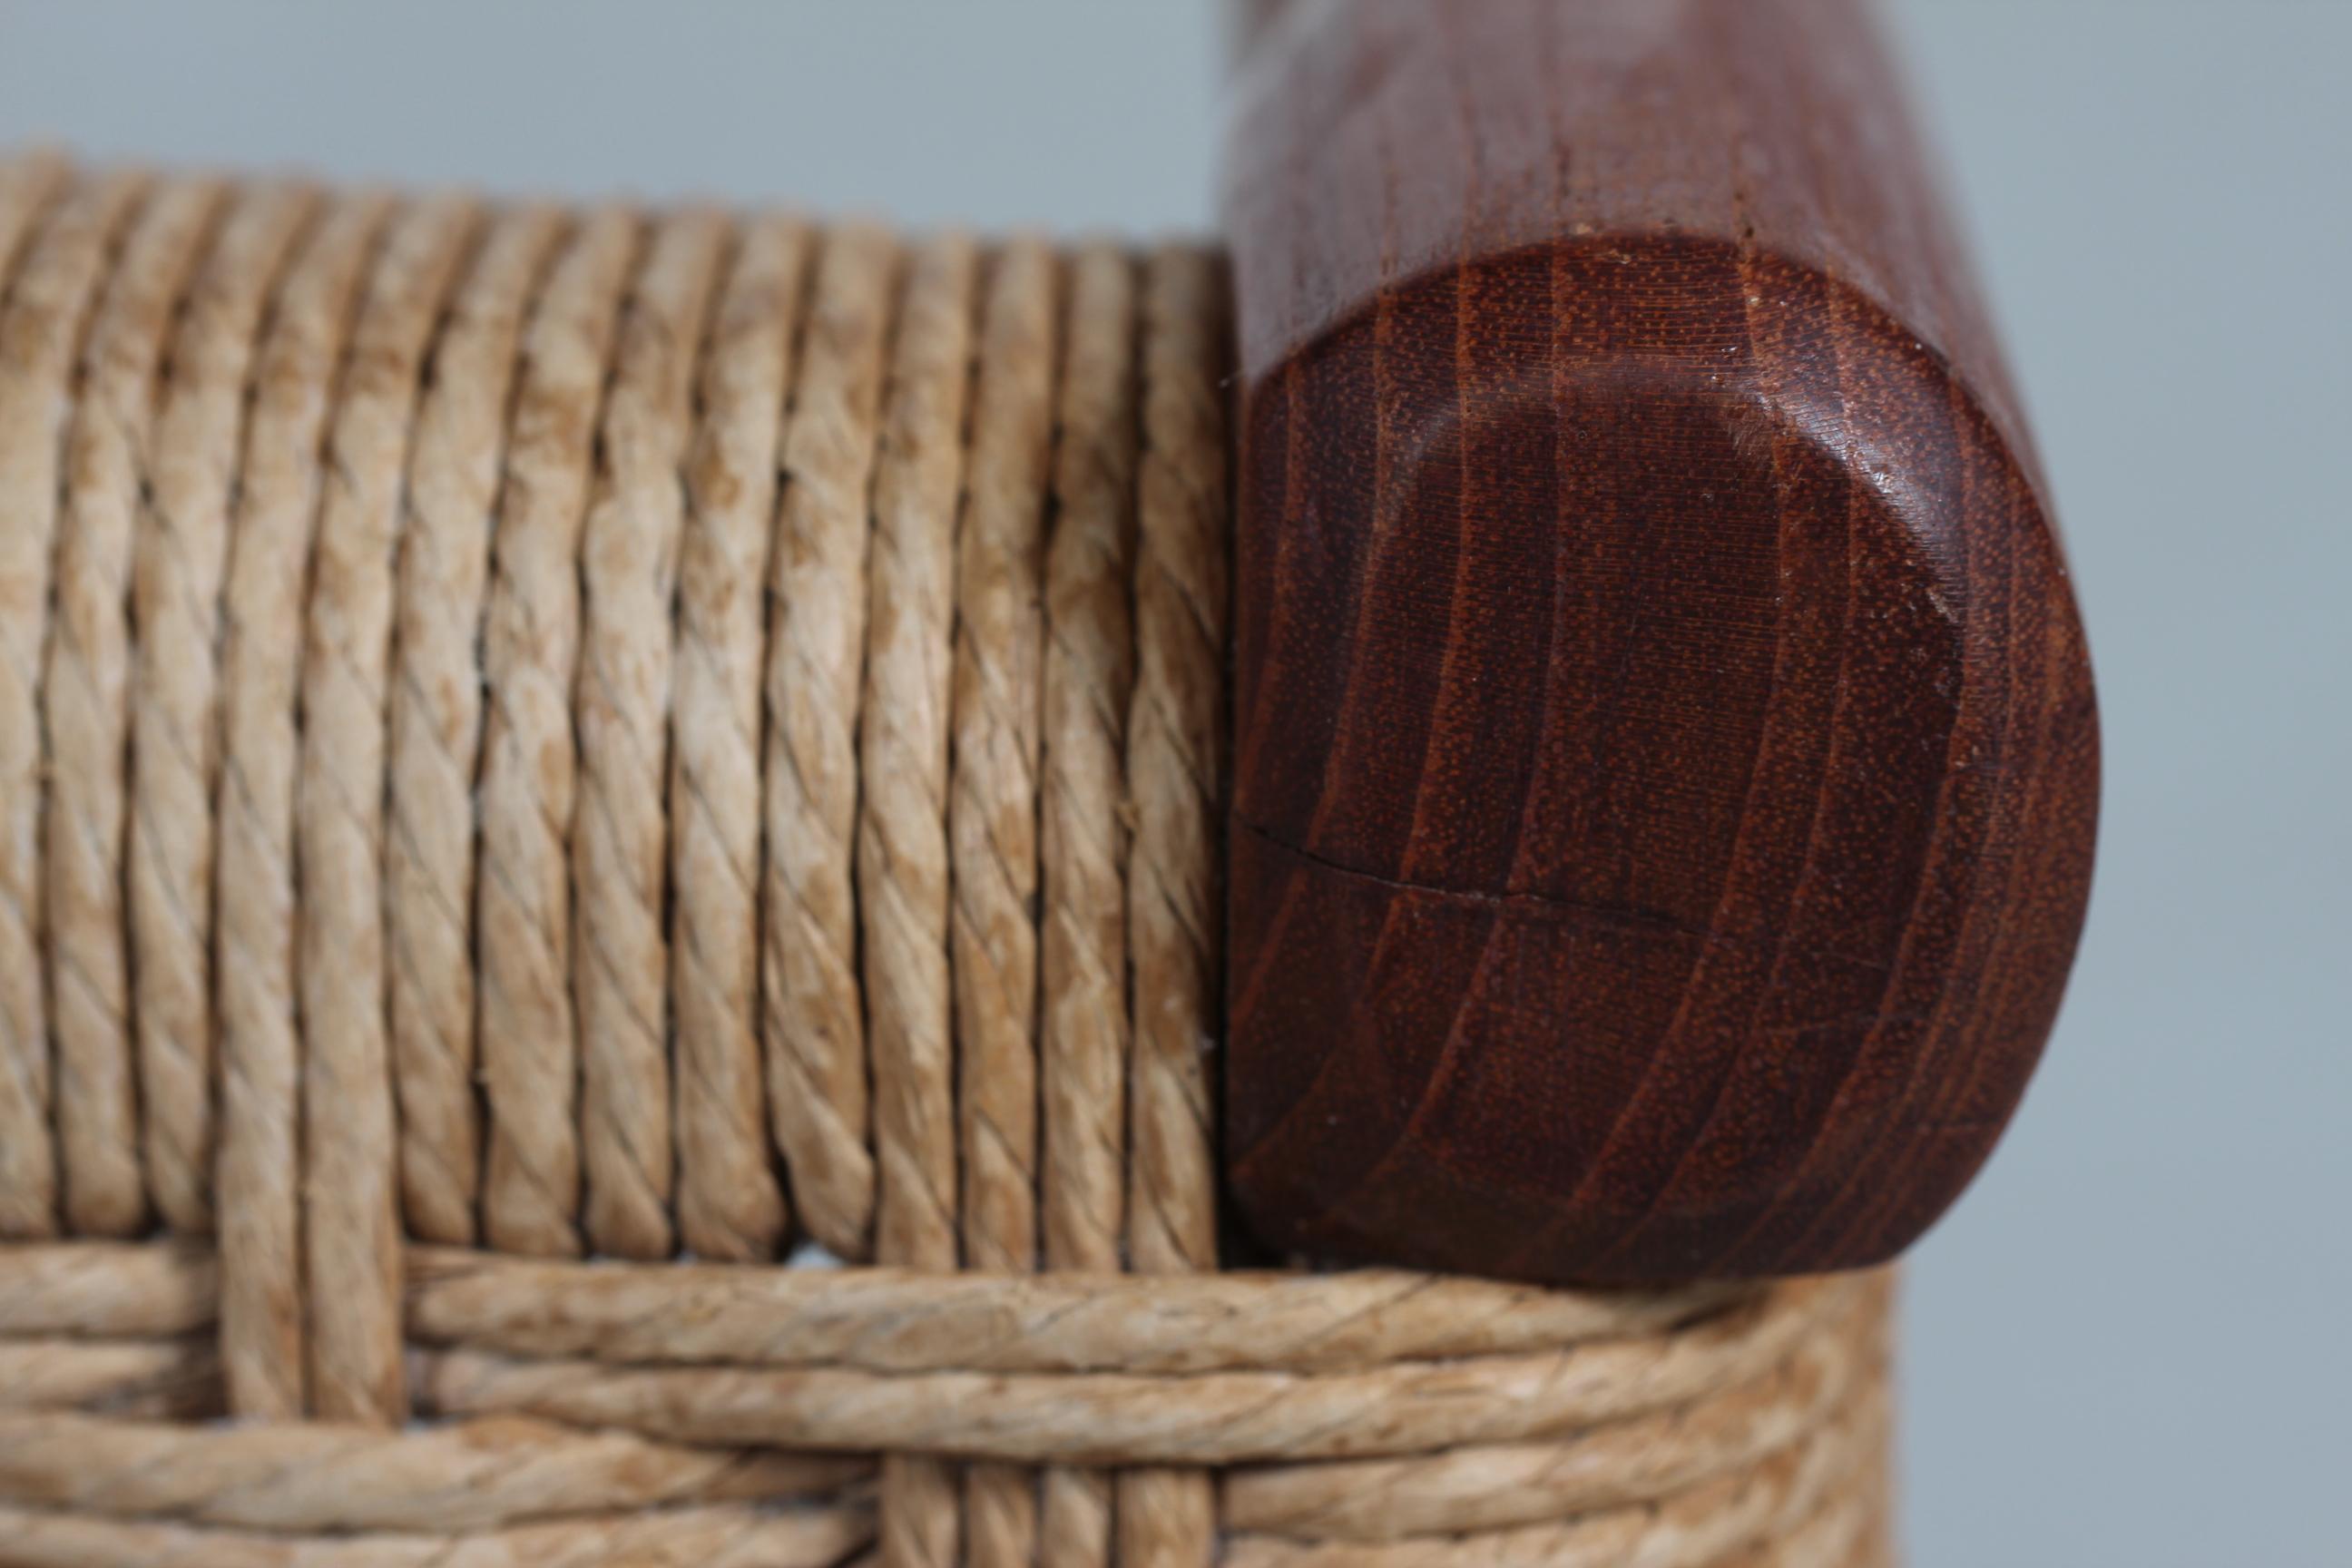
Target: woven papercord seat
column 703, row 887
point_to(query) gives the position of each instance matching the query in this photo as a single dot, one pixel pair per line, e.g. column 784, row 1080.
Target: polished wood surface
column 1665, row 761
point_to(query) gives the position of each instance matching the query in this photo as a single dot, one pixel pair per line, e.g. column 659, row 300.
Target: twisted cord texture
column 548, row 760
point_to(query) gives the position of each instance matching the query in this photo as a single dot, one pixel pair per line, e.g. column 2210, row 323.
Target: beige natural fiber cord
column 1213, row 1418
column 147, row 1380
column 436, row 723
column 992, row 822
column 902, row 855
column 256, row 1172
column 196, row 792
column 529, row 767
column 1175, row 721
column 28, row 1176
column 730, row 1204
column 883, row 1320
column 620, row 840
column 610, row 937
column 468, row 1475
column 1087, row 676
column 351, row 1202
column 42, row 327
column 738, row 1536
column 819, row 1097
column 97, row 1111
column 279, row 523
column 109, row 464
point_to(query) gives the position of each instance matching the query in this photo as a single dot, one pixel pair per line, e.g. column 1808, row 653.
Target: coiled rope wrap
column 536, row 746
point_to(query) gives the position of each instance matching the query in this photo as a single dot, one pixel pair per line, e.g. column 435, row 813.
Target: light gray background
column 2130, row 1344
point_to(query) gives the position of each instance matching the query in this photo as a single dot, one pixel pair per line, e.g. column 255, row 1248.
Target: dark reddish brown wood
column 1665, row 757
